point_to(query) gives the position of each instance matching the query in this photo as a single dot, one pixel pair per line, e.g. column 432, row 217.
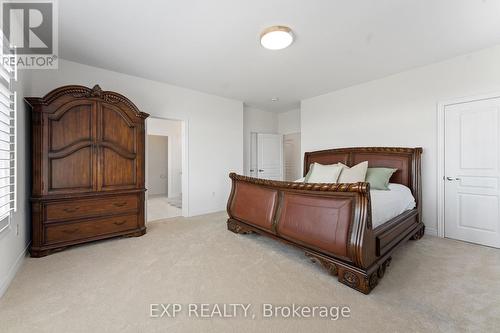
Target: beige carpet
column 432, row 285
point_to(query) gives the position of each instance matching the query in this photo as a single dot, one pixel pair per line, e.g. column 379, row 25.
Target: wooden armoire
column 88, row 168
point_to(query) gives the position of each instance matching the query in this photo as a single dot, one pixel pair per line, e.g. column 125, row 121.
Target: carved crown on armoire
column 88, row 174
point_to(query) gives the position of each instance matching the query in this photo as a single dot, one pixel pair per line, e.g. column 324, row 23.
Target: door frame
column 441, row 106
column 300, row 164
column 185, row 162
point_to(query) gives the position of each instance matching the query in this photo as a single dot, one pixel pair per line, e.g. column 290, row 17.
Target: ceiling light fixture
column 275, row 99
column 277, row 37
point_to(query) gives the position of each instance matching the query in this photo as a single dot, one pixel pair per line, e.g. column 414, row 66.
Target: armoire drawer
column 57, row 233
column 90, row 207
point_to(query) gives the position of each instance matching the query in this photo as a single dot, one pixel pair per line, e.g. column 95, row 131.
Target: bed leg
column 358, row 280
column 381, row 269
column 237, row 228
column 352, row 277
column 419, row 234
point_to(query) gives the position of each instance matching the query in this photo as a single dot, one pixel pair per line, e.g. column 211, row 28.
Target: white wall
column 172, row 129
column 157, row 177
column 260, row 121
column 289, row 122
column 214, row 125
column 399, row 110
column 15, row 240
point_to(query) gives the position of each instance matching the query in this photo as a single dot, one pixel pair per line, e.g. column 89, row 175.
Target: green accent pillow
column 379, row 178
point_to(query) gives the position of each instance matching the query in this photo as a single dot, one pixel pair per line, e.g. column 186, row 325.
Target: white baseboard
column 431, row 231
column 4, row 285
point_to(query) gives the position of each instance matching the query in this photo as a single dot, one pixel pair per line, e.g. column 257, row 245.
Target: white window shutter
column 8, row 149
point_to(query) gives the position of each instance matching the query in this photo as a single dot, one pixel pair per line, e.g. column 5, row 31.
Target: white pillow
column 324, row 173
column 301, row 180
column 354, row 174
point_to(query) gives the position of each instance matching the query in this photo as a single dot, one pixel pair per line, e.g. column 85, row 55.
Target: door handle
column 260, row 170
column 252, row 170
column 452, row 178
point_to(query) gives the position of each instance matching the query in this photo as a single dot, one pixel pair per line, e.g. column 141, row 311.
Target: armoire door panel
column 117, row 171
column 71, row 132
column 71, row 124
column 72, row 172
column 117, row 129
column 117, row 149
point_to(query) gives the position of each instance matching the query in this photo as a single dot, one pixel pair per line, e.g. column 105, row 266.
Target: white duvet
column 389, row 204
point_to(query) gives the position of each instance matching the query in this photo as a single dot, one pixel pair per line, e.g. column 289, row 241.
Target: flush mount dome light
column 276, row 38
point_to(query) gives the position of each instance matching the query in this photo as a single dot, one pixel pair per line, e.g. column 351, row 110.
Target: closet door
column 270, row 156
column 117, row 149
column 69, row 134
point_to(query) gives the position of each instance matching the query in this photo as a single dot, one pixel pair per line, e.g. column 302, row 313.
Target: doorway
column 470, row 171
column 164, row 168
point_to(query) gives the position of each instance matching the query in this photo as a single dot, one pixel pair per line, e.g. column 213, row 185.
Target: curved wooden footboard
column 332, row 219
column 330, row 222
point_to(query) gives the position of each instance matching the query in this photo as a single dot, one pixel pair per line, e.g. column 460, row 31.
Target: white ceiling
column 213, row 46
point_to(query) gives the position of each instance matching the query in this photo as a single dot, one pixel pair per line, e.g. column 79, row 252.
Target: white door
column 472, row 152
column 253, row 155
column 270, row 156
column 291, row 157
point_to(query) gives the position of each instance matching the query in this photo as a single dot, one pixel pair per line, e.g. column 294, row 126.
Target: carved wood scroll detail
column 351, row 279
column 328, row 265
column 94, row 92
column 360, row 187
column 354, row 279
column 237, row 228
column 85, row 92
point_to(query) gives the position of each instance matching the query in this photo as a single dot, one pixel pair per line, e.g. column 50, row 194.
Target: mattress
column 389, row 204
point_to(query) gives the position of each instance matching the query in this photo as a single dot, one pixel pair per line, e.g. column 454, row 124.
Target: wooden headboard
column 406, row 160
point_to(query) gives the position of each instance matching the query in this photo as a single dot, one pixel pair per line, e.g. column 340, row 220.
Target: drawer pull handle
column 120, row 223
column 120, row 204
column 71, row 231
column 71, row 210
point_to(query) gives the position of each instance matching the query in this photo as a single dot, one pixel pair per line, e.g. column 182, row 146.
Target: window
column 7, row 137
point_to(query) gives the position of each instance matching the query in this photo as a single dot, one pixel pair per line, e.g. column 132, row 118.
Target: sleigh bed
column 332, row 223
